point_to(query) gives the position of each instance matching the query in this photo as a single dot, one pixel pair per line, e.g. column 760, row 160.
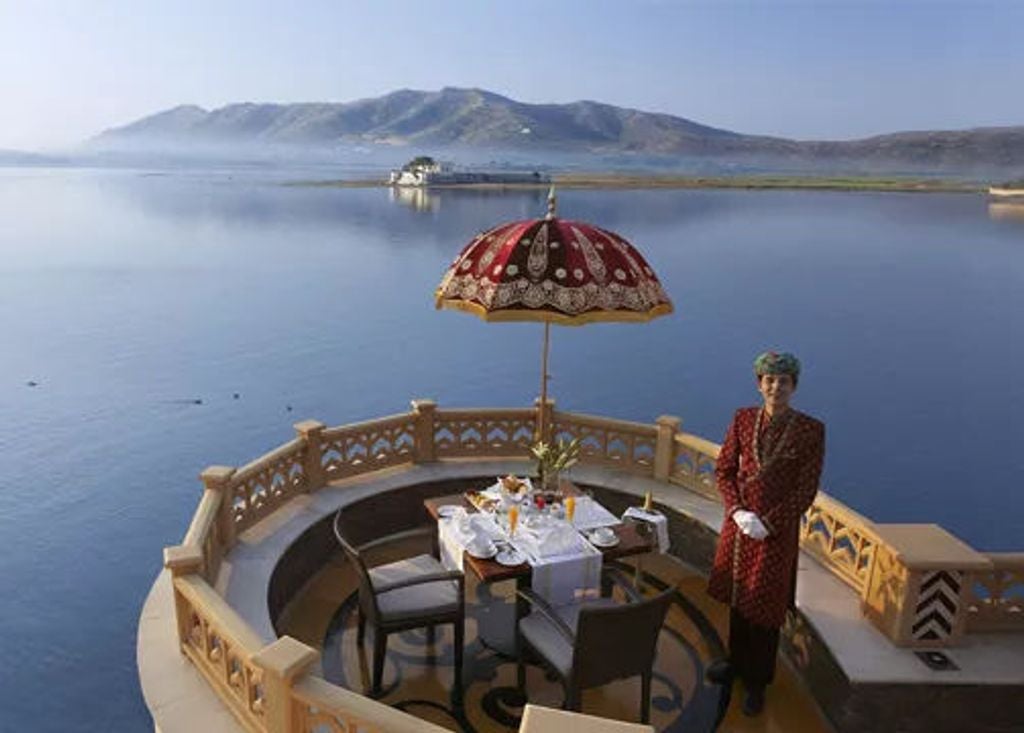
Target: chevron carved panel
column 937, row 605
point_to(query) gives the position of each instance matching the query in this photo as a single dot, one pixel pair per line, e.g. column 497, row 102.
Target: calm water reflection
column 125, row 295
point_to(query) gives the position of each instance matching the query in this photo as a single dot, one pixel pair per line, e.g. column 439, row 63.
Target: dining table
column 497, row 629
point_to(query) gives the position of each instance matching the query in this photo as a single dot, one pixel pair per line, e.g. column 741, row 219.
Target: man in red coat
column 767, row 473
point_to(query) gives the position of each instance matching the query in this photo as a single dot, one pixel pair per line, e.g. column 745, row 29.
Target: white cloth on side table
column 659, row 520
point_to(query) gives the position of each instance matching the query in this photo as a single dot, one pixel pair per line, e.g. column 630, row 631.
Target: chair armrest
column 454, row 575
column 398, row 537
column 547, row 611
column 620, row 579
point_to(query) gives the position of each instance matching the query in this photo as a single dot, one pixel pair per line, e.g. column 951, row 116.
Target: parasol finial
column 551, row 204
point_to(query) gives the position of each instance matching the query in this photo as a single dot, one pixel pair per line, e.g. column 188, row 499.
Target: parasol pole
column 541, row 426
column 544, row 380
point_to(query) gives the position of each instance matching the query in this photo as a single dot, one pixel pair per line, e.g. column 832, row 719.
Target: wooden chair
column 407, row 594
column 594, row 642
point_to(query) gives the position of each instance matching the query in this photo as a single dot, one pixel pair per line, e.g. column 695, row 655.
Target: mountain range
column 475, row 118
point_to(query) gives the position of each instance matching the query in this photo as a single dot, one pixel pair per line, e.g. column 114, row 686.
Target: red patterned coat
column 771, row 468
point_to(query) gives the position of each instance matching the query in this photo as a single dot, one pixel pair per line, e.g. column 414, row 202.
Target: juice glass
column 570, row 507
column 513, row 519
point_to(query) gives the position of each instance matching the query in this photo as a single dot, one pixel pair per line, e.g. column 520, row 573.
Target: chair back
column 367, row 599
column 613, row 642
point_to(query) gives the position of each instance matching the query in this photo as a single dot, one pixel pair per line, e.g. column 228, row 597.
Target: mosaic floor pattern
column 418, row 669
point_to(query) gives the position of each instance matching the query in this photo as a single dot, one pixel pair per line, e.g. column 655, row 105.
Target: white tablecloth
column 565, row 566
column 563, row 577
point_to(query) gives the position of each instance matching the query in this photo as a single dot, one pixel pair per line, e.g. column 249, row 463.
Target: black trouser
column 752, row 650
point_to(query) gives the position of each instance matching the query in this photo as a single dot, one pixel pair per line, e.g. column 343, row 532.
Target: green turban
column 771, row 362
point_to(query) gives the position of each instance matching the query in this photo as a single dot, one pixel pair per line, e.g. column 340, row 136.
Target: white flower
column 560, row 273
column 619, row 274
column 511, row 270
column 578, row 273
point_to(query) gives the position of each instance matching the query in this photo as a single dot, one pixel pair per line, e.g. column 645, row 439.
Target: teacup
column 481, row 548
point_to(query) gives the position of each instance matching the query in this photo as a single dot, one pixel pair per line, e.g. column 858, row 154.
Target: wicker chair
column 407, row 594
column 594, row 642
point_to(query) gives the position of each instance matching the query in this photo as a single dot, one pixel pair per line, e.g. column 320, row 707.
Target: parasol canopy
column 552, row 270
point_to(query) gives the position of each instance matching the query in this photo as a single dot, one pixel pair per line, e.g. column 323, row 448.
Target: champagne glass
column 513, row 519
column 570, row 507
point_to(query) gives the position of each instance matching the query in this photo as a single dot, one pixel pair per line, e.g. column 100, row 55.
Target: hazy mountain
column 474, row 118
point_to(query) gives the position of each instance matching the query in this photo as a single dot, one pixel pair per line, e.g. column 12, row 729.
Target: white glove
column 750, row 524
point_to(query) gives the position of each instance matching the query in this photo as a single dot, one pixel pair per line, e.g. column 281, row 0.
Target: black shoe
column 719, row 672
column 753, row 703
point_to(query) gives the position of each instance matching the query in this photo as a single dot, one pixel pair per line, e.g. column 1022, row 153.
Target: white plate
column 510, row 558
column 448, row 510
column 485, row 555
column 598, row 543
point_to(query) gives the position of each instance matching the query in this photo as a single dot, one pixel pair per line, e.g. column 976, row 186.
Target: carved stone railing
column 996, row 597
column 841, row 539
column 205, row 533
column 368, row 446
column 320, row 707
column 918, row 583
column 693, row 464
column 216, row 639
column 628, row 446
column 484, row 433
column 260, row 487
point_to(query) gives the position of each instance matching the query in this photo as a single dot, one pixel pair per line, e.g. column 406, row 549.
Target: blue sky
column 814, row 69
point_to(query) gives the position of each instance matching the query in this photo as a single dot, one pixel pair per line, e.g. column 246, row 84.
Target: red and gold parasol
column 552, row 270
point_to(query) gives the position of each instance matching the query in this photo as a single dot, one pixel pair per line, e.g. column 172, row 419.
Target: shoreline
column 628, row 181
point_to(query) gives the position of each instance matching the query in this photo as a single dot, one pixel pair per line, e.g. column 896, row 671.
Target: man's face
column 776, row 389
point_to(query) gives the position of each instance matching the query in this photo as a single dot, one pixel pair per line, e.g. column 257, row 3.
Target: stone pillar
column 182, row 560
column 917, row 590
column 218, row 478
column 282, row 662
column 311, row 433
column 423, row 449
column 665, row 448
column 549, row 416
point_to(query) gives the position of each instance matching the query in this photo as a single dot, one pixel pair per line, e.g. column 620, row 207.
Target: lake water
column 126, row 295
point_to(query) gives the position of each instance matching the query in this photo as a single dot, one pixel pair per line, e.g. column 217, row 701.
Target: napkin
column 659, row 520
column 458, row 532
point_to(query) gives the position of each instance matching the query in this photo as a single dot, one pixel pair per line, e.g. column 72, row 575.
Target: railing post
column 182, row 560
column 424, row 450
column 218, row 478
column 917, row 592
column 311, row 432
column 282, row 662
column 665, row 447
column 548, row 413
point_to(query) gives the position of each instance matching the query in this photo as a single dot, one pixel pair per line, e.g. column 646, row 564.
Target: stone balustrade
column 917, row 583
column 995, row 596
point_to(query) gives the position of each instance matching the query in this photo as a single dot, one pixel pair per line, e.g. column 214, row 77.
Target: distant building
column 1009, row 191
column 425, row 171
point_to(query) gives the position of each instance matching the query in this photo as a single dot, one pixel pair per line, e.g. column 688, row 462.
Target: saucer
column 448, row 510
column 614, row 540
column 510, row 558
